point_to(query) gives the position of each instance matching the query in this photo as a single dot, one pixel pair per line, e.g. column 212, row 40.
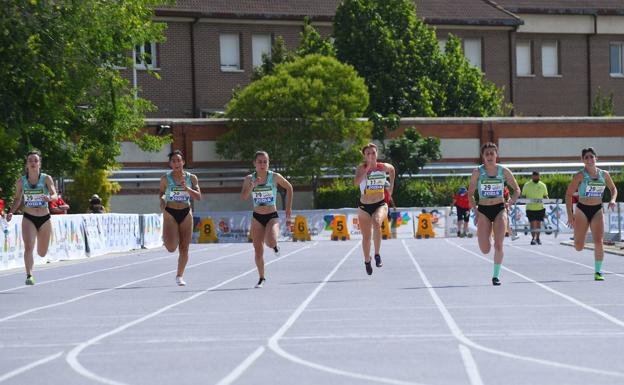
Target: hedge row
column 438, row 192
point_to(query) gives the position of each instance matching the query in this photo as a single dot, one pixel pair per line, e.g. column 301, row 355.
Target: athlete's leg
column 581, row 225
column 29, row 236
column 43, row 238
column 185, row 235
column 366, row 227
column 171, row 232
column 271, row 233
column 378, row 218
column 597, row 229
column 484, row 233
column 257, row 235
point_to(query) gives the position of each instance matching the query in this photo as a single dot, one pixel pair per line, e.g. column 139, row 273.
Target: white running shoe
column 260, row 283
column 180, row 281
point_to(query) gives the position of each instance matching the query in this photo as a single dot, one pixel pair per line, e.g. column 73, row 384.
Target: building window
column 524, row 58
column 617, row 59
column 145, row 56
column 473, row 52
column 260, row 45
column 230, row 51
column 442, row 45
column 550, row 58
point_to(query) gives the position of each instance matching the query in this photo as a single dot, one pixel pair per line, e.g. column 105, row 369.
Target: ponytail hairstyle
column 260, row 152
column 488, row 145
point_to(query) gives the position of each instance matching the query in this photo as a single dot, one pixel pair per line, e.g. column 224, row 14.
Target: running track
column 429, row 316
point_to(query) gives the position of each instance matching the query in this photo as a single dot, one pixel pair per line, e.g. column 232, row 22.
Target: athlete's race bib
column 375, row 182
column 263, row 196
column 491, row 188
column 594, row 190
column 179, row 194
column 34, row 198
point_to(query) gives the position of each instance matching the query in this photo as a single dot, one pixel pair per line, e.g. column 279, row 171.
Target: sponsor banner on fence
column 152, row 226
column 68, row 238
column 109, row 233
column 12, row 253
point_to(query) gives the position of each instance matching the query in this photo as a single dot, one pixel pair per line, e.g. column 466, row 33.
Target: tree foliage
column 60, row 85
column 310, row 42
column 411, row 152
column 405, row 71
column 304, row 115
column 603, row 105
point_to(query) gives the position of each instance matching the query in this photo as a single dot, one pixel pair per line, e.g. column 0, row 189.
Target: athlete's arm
column 513, row 183
column 572, row 188
column 360, row 174
column 613, row 189
column 247, row 187
column 17, row 200
column 53, row 197
column 473, row 186
column 280, row 180
column 392, row 172
column 194, row 190
column 161, row 195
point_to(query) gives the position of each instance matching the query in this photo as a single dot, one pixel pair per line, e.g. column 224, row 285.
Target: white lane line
column 457, row 332
column 32, row 310
column 100, row 270
column 274, row 340
column 72, row 356
column 575, row 301
column 28, row 367
column 471, row 365
column 234, row 374
column 565, row 260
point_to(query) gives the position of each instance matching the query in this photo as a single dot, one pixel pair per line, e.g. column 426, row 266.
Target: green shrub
column 440, row 191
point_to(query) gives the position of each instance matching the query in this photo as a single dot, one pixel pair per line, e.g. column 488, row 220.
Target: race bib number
column 179, row 194
column 375, row 183
column 491, row 188
column 594, row 190
column 263, row 195
column 34, row 198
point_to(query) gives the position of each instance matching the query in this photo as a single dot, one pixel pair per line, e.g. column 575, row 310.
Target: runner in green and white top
column 34, row 190
column 177, row 189
column 490, row 179
column 261, row 187
column 591, row 183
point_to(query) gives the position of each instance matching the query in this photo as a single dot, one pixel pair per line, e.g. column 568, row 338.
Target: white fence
column 80, row 236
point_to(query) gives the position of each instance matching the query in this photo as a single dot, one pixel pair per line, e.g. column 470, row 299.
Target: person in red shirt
column 58, row 207
column 1, row 204
column 461, row 203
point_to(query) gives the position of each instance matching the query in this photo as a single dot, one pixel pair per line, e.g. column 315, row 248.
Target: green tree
column 304, row 116
column 466, row 92
column 411, row 152
column 279, row 55
column 603, row 105
column 392, row 49
column 311, row 42
column 404, row 69
column 60, row 85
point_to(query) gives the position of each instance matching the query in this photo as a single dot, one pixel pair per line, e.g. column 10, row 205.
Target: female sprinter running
column 490, row 178
column 262, row 187
column 177, row 189
column 590, row 182
column 371, row 177
column 34, row 190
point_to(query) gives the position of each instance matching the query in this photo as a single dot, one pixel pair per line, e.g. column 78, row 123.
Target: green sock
column 597, row 266
column 497, row 267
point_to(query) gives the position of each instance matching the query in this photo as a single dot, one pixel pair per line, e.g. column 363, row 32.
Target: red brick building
column 538, row 51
